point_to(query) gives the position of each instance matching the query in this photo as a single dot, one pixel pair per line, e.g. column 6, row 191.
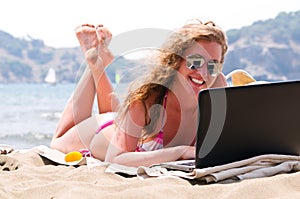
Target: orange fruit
column 73, row 156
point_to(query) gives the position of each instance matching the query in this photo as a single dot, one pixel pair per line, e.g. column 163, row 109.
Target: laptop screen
column 236, row 123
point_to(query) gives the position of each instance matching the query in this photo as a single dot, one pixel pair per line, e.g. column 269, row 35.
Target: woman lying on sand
column 157, row 122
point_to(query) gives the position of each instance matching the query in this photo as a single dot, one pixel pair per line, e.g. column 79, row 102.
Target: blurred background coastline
column 30, row 107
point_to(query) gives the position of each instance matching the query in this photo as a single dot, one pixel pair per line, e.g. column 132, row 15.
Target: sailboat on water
column 51, row 76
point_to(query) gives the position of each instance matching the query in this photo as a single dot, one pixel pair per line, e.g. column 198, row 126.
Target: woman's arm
column 152, row 157
column 122, row 146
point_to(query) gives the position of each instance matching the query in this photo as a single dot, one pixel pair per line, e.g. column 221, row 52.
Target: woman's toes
column 88, row 25
column 87, row 37
column 103, row 34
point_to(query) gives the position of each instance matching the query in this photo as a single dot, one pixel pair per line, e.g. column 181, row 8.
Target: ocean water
column 29, row 113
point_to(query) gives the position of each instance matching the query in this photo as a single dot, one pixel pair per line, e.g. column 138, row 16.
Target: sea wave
column 51, row 115
column 30, row 113
column 26, row 140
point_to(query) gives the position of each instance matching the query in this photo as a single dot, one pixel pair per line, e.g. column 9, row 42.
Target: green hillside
column 269, row 50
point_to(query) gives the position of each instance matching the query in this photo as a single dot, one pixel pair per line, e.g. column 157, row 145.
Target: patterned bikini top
column 154, row 142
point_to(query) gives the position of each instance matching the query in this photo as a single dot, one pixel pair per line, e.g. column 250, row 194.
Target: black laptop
column 237, row 123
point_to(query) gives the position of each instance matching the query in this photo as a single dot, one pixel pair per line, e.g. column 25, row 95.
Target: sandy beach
column 25, row 174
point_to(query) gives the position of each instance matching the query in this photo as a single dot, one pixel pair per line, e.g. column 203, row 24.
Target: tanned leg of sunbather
column 93, row 41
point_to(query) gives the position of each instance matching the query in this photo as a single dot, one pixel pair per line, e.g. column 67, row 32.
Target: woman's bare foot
column 93, row 41
column 104, row 38
column 87, row 37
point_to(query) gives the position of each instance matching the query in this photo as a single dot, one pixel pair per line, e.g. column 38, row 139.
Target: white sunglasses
column 196, row 61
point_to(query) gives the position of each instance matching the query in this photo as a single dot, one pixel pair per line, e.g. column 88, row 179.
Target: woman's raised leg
column 76, row 127
column 107, row 102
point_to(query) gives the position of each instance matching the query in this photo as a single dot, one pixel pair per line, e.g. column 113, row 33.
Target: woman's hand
column 189, row 152
column 220, row 81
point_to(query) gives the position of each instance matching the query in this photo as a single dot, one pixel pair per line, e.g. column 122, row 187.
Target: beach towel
column 255, row 167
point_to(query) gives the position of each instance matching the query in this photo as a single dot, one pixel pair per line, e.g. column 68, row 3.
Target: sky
column 54, row 21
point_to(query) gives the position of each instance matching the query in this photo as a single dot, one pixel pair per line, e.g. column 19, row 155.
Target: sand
column 27, row 175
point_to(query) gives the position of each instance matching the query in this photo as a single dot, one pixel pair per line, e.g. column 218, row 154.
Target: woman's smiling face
column 201, row 78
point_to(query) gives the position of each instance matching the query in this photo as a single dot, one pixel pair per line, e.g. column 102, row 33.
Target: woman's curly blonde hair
column 168, row 60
